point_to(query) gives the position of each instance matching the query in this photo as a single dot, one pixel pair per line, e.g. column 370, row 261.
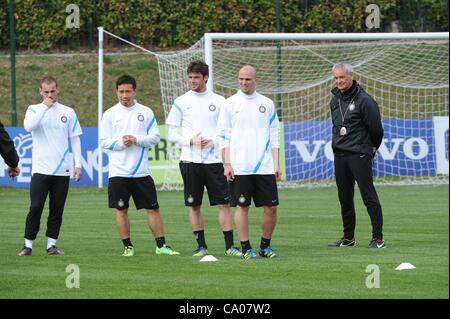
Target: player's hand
column 228, row 172
column 128, row 140
column 77, row 173
column 13, row 172
column 48, row 101
column 206, row 142
column 278, row 173
column 374, row 152
column 197, row 139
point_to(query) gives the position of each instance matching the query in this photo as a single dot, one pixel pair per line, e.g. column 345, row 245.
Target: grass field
column 416, row 231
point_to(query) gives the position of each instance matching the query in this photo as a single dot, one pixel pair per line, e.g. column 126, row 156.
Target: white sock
column 51, row 242
column 29, row 243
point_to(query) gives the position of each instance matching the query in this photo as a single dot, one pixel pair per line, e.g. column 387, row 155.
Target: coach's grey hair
column 346, row 66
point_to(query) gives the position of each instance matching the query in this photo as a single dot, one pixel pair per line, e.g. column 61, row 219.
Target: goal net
column 407, row 74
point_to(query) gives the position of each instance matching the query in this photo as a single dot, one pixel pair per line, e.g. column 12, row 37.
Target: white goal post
column 406, row 73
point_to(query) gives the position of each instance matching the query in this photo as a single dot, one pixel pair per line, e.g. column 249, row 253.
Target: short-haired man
column 127, row 131
column 192, row 123
column 357, row 133
column 52, row 125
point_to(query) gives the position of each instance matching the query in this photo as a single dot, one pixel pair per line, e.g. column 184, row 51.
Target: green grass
column 416, row 231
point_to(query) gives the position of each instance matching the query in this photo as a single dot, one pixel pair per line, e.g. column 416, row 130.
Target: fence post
column 12, row 49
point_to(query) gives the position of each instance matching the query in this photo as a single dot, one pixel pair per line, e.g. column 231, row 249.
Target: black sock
column 245, row 246
column 264, row 243
column 127, row 242
column 228, row 236
column 200, row 237
column 160, row 241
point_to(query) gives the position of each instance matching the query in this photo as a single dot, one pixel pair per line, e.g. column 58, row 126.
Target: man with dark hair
column 8, row 152
column 127, row 131
column 356, row 135
column 126, row 79
column 52, row 125
column 192, row 123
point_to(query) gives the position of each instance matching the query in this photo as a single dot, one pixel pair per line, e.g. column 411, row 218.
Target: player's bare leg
column 155, row 222
column 198, row 228
column 123, row 226
column 123, row 223
column 226, row 224
column 225, row 218
column 241, row 221
column 269, row 220
column 196, row 218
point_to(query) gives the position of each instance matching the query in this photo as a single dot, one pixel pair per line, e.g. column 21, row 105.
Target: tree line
column 42, row 25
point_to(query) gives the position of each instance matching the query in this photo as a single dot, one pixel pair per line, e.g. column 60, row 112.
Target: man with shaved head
column 249, row 133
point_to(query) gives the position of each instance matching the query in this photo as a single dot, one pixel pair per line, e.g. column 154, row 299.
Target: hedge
column 165, row 23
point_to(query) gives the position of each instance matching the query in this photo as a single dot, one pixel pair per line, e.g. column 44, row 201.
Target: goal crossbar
column 210, row 37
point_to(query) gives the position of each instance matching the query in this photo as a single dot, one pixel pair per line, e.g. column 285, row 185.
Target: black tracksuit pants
column 351, row 167
column 41, row 186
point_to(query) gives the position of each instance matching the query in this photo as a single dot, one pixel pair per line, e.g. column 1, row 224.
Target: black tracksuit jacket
column 363, row 123
column 7, row 149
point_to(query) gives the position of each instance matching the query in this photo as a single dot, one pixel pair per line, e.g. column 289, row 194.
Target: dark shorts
column 197, row 176
column 141, row 188
column 262, row 188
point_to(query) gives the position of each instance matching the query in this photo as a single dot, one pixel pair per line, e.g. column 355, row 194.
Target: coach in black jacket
column 8, row 152
column 357, row 134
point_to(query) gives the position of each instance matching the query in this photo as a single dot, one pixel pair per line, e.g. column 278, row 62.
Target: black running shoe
column 377, row 243
column 25, row 251
column 343, row 242
column 53, row 251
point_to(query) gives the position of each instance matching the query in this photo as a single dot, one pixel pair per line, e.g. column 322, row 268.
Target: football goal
column 406, row 73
